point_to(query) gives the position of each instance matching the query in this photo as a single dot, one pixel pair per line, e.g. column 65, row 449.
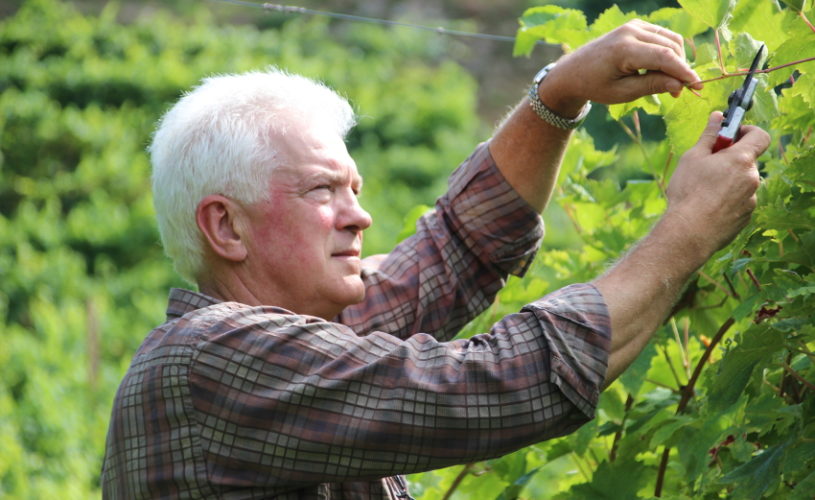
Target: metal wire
column 292, row 9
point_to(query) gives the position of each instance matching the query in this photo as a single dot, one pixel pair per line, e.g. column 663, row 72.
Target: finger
column 711, row 131
column 676, row 38
column 659, row 58
column 651, row 82
column 753, row 139
column 658, row 38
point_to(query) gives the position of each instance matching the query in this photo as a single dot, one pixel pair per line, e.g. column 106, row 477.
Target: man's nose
column 353, row 215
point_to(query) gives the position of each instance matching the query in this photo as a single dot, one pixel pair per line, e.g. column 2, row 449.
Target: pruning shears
column 739, row 102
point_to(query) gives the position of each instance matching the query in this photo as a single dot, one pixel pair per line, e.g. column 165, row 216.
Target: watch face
column 542, row 73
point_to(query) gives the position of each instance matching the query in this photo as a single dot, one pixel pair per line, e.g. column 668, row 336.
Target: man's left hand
column 629, row 62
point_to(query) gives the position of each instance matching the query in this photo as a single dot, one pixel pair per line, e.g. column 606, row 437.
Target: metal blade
column 756, row 60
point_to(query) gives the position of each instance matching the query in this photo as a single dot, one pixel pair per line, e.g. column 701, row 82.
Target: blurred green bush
column 82, row 272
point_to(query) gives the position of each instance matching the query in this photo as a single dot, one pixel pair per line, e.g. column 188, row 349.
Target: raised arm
column 710, row 199
column 609, row 70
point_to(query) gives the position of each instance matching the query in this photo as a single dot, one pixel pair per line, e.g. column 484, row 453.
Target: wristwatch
column 547, row 114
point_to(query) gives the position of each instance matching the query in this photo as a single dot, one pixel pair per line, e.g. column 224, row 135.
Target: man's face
column 304, row 242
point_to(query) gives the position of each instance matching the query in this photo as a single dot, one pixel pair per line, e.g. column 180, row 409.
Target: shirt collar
column 182, row 301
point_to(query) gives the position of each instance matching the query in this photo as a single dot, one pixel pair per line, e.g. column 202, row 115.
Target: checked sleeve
column 450, row 270
column 286, row 401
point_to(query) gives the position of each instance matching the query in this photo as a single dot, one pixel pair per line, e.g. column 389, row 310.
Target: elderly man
column 299, row 371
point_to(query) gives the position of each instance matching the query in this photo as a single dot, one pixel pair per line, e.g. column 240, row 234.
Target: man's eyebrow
column 357, row 182
column 334, row 177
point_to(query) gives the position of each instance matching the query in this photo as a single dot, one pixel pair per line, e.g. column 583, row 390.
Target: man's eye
column 325, row 187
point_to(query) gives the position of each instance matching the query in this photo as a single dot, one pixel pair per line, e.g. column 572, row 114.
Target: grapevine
column 736, row 420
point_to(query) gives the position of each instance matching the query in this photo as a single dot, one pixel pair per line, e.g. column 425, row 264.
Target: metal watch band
column 547, row 114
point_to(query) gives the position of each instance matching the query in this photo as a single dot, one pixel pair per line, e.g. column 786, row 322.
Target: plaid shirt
column 226, row 400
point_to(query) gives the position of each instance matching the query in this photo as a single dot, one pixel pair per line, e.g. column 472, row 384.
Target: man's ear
column 216, row 216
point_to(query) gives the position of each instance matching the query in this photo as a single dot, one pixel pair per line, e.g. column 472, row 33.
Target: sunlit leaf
column 712, row 13
column 551, row 24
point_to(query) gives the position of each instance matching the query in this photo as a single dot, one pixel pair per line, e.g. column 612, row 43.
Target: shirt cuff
column 577, row 327
column 489, row 215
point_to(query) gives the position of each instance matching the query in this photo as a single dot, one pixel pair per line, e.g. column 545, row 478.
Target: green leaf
column 747, row 307
column 609, row 20
column 803, row 490
column 409, row 224
column 650, row 104
column 712, row 13
column 551, row 24
column 513, row 490
column 613, row 481
column 803, row 291
column 758, row 475
column 694, row 442
column 735, row 369
column 796, row 5
column 634, row 376
column 685, row 120
column 793, row 49
column 668, row 429
column 583, row 437
column 677, row 20
column 762, row 20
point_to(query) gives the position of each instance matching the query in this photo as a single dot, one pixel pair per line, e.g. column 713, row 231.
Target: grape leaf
column 803, row 490
column 634, row 376
column 735, row 369
column 551, row 24
column 513, row 490
column 758, row 475
column 685, row 121
column 796, row 5
column 760, row 19
column 620, row 479
column 677, row 20
column 650, row 104
column 610, row 19
column 793, row 49
column 712, row 13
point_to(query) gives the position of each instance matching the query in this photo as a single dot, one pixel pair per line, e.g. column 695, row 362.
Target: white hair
column 218, row 139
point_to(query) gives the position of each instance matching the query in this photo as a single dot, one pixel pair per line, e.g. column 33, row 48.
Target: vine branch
column 612, row 456
column 744, row 72
column 806, row 20
column 799, row 377
column 687, row 394
column 457, row 481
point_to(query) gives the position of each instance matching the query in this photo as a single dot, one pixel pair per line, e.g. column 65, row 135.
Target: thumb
column 711, row 132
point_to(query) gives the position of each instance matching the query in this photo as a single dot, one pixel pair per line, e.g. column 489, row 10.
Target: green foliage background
column 82, row 272
column 83, row 277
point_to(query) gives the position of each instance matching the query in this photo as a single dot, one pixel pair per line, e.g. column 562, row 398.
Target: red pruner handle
column 722, row 142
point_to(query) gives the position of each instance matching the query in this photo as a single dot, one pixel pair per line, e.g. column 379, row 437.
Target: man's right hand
column 713, row 194
column 710, row 199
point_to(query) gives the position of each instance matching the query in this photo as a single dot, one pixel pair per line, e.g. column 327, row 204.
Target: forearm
column 642, row 288
column 528, row 151
column 710, row 199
